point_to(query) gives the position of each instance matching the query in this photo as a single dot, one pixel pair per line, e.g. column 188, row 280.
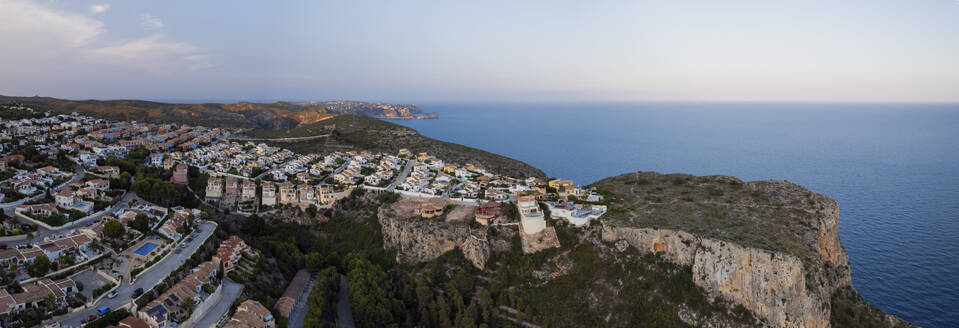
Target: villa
column 307, row 194
column 268, row 197
column 248, row 192
column 531, row 216
column 214, row 188
column 576, row 214
column 324, row 193
column 287, row 193
column 432, row 208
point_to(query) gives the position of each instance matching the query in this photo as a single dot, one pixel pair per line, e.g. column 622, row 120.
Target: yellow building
column 422, row 157
column 432, row 208
column 557, row 184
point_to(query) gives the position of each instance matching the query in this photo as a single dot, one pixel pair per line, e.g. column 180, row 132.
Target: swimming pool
column 146, row 249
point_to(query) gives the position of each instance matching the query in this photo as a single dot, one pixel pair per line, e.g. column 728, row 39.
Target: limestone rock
column 419, row 240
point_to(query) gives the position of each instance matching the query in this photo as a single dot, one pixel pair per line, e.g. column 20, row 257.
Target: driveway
column 147, row 279
column 231, row 291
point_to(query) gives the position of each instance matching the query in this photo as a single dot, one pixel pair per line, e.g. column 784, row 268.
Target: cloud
column 200, row 62
column 156, row 53
column 62, row 41
column 148, row 21
column 101, row 8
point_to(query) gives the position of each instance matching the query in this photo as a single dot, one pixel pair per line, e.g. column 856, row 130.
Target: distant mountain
column 271, row 116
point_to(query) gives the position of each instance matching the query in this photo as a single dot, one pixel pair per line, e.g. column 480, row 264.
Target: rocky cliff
column 418, row 240
column 790, row 284
column 771, row 284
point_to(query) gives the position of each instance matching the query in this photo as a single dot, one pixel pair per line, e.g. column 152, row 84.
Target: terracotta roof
column 133, row 322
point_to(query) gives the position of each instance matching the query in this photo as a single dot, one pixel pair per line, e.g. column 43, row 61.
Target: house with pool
column 578, row 215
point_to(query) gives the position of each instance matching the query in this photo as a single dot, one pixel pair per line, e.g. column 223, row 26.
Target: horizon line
column 474, row 101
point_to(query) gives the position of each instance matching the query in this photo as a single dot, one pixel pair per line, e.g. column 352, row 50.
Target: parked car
column 91, row 317
column 112, row 294
column 137, row 292
column 103, row 310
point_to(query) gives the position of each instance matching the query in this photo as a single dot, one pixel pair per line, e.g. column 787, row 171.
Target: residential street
column 344, row 310
column 147, row 279
column 231, row 291
column 402, row 176
column 82, row 222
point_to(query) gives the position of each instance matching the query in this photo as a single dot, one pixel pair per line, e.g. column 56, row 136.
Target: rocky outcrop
column 419, row 240
column 431, row 115
column 771, row 246
column 783, row 289
column 770, row 284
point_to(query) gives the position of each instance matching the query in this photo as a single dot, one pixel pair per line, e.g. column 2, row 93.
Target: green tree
column 322, row 300
column 50, row 301
column 113, row 229
column 40, row 266
column 425, row 302
column 188, row 305
column 141, row 222
column 467, row 317
column 443, row 310
column 254, row 225
column 68, row 259
column 370, row 293
column 314, row 261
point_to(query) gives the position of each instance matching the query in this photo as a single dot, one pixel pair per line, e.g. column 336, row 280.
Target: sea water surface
column 893, row 168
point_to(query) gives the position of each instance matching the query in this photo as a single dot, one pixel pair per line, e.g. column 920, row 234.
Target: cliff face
column 419, row 240
column 783, row 289
column 770, row 284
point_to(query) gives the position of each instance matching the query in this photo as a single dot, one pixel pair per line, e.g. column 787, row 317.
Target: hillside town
column 95, row 219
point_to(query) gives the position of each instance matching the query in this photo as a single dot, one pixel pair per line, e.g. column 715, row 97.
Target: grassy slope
column 719, row 207
column 355, row 132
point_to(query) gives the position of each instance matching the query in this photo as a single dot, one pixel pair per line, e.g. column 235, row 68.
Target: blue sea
column 893, row 168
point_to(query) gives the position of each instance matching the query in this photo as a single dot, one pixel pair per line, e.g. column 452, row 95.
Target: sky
column 483, row 51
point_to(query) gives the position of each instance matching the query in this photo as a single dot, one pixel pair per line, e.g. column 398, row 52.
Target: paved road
column 86, row 221
column 231, row 291
column 298, row 314
column 147, row 279
column 399, row 179
column 344, row 311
